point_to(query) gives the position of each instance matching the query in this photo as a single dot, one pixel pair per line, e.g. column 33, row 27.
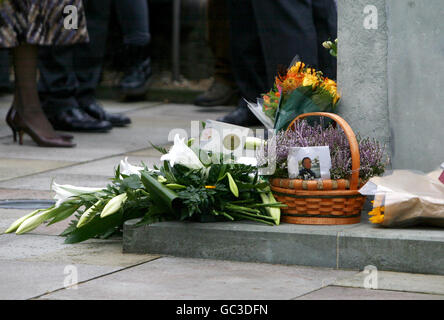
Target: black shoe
column 138, row 73
column 219, row 94
column 75, row 119
column 240, row 117
column 96, row 111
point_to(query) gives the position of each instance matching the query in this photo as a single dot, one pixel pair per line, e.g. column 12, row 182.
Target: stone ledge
column 416, row 250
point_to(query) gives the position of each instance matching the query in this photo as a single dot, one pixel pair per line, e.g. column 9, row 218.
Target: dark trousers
column 219, row 39
column 69, row 75
column 5, row 84
column 270, row 33
column 133, row 16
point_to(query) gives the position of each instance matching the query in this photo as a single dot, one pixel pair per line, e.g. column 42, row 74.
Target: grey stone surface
column 415, row 82
column 11, row 168
column 362, row 69
column 239, row 241
column 417, row 250
column 388, row 77
column 176, row 278
column 44, row 248
column 340, row 293
column 21, row 280
column 395, row 281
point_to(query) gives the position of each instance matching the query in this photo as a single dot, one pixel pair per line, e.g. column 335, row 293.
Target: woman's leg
column 26, row 99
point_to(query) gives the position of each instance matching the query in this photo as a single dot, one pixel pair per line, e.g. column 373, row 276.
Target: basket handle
column 354, row 147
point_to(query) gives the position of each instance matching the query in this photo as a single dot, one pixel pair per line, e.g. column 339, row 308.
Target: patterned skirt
column 42, row 22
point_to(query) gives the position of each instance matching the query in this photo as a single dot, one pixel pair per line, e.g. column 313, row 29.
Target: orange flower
column 210, row 187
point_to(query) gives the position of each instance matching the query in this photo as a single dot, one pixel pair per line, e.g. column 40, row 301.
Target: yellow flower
column 377, row 215
column 297, row 68
column 310, row 80
column 210, row 187
column 377, row 219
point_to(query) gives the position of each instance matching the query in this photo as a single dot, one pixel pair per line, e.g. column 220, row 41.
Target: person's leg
column 286, row 29
column 88, row 57
column 326, row 21
column 246, row 51
column 88, row 62
column 31, row 118
column 58, row 83
column 223, row 90
column 5, row 84
column 133, row 17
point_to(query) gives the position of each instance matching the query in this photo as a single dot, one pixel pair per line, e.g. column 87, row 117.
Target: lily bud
column 233, row 186
column 34, row 221
column 113, row 205
column 14, row 226
column 88, row 215
column 327, row 44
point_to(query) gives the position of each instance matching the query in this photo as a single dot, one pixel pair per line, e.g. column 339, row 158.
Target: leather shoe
column 96, row 111
column 75, row 119
column 219, row 94
column 241, row 116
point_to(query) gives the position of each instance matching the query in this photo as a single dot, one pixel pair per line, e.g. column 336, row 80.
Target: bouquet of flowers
column 183, row 188
column 298, row 90
column 372, row 153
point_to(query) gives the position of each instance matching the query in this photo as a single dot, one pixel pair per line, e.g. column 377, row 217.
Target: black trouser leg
column 88, row 57
column 248, row 62
column 58, row 83
column 326, row 21
column 134, row 21
column 5, row 84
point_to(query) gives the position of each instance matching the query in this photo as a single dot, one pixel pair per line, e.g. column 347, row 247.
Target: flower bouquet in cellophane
column 300, row 89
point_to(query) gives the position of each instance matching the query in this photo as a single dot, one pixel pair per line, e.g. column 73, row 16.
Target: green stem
column 253, row 219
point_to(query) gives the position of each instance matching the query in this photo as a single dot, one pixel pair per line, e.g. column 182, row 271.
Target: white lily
column 128, row 169
column 181, row 154
column 65, row 191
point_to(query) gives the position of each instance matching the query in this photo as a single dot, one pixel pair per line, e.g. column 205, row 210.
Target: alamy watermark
column 371, row 278
column 371, row 17
column 71, row 20
column 71, row 277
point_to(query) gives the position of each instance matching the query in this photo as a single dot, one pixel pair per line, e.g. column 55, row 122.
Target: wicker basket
column 330, row 202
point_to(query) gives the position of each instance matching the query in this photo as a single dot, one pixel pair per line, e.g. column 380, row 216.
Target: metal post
column 176, row 41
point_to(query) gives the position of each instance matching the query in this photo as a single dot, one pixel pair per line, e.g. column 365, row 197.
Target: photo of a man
column 306, row 173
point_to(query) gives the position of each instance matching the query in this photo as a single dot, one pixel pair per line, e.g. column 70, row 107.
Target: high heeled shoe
column 21, row 127
column 12, row 113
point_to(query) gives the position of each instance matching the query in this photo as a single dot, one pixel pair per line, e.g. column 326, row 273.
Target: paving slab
column 25, row 280
column 417, row 250
column 10, row 194
column 89, row 174
column 176, row 278
column 43, row 248
column 12, row 167
column 340, row 293
column 396, row 281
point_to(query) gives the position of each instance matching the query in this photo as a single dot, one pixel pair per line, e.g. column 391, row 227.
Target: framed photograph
column 309, row 163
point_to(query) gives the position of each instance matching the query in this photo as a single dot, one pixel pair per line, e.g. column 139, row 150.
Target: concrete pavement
column 40, row 266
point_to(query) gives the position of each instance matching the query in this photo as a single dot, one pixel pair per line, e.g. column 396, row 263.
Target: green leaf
column 96, row 227
column 161, row 195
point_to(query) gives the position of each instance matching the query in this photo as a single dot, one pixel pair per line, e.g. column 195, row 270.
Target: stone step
column 414, row 250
